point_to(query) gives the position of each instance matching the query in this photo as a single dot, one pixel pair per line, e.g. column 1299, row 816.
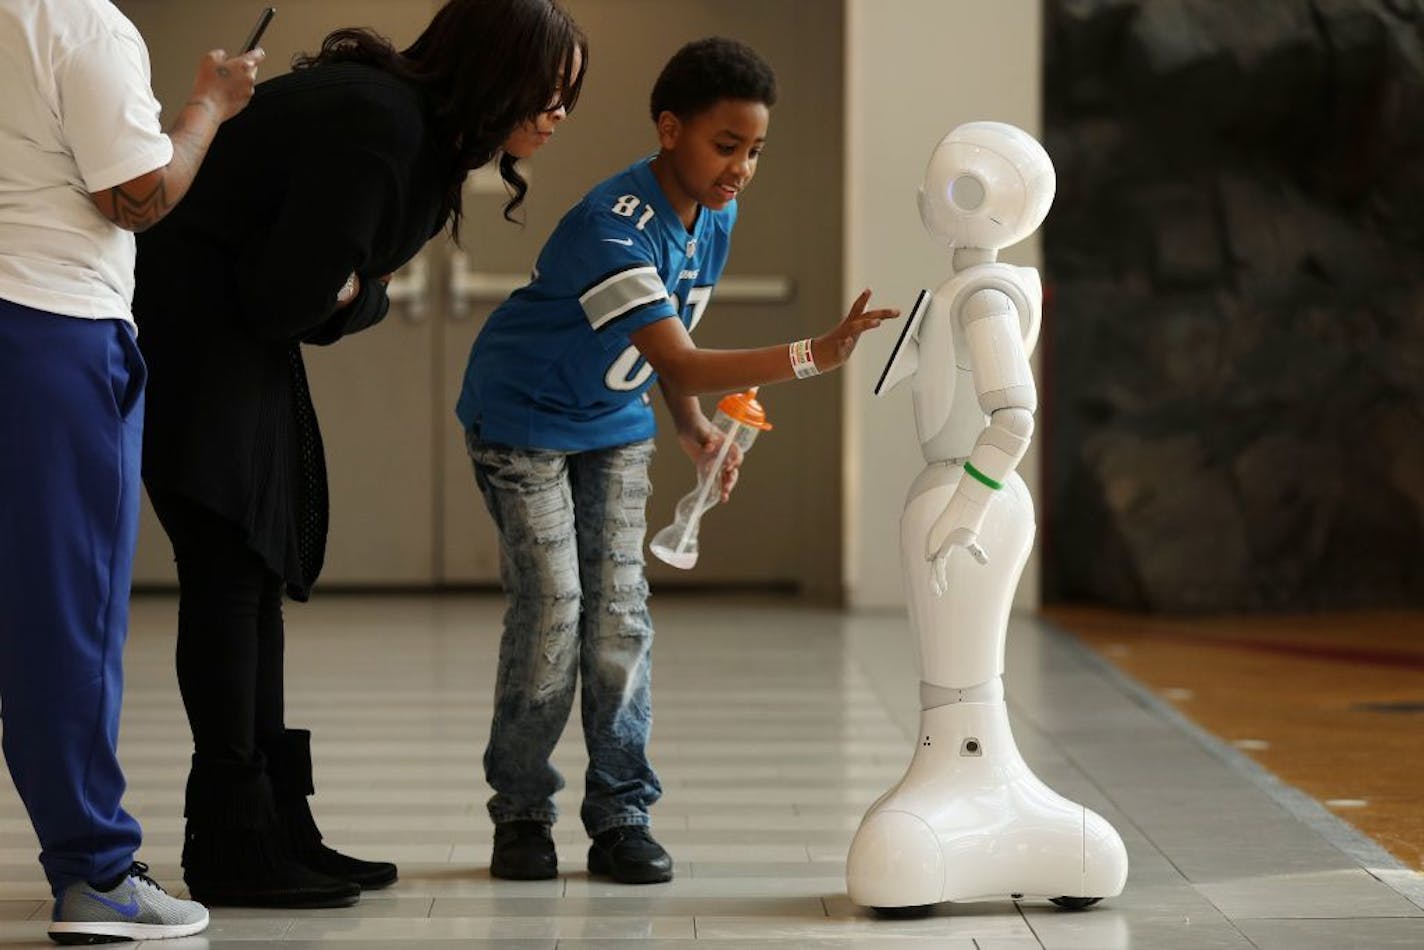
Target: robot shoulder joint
column 985, row 303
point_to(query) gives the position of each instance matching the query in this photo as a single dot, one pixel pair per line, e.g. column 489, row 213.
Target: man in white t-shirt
column 83, row 164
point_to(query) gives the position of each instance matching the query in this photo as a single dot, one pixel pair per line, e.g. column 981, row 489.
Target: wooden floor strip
column 1331, row 703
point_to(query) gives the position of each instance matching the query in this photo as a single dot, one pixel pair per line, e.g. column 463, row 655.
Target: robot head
column 988, row 185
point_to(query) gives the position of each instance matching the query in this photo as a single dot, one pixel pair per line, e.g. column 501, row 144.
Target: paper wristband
column 803, row 364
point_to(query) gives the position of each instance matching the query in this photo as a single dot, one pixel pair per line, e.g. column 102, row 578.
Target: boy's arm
column 687, row 370
column 698, row 437
column 686, row 411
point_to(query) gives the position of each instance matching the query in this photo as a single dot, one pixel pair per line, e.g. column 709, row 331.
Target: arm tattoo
column 140, row 204
column 135, row 207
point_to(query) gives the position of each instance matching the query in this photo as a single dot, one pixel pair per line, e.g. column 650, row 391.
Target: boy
column 560, row 430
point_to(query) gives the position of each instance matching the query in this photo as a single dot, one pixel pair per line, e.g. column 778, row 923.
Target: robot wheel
column 1075, row 903
column 909, row 912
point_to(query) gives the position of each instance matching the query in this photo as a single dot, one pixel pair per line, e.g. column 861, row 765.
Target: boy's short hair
column 706, row 71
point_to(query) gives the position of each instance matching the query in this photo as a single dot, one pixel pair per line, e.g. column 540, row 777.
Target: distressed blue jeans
column 571, row 528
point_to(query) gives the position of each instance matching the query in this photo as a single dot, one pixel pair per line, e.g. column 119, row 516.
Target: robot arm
column 1004, row 383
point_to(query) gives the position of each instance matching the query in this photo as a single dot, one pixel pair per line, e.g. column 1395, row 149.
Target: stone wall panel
column 1234, row 329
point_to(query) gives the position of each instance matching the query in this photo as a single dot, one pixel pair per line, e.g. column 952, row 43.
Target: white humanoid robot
column 969, row 821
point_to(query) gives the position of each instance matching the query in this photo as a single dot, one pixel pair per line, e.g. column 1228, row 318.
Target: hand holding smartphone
column 260, row 27
column 225, row 83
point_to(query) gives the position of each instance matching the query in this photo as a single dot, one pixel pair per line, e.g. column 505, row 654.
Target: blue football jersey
column 553, row 367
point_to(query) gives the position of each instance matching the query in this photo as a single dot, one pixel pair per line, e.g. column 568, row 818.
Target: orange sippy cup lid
column 744, row 408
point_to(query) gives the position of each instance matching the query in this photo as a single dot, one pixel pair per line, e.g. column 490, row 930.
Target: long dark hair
column 489, row 66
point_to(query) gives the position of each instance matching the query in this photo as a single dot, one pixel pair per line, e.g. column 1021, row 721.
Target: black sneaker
column 629, row 855
column 524, row 851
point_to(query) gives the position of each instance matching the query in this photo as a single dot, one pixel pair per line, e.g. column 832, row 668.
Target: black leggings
column 230, row 637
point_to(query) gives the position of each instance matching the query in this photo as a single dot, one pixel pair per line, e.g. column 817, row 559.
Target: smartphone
column 255, row 37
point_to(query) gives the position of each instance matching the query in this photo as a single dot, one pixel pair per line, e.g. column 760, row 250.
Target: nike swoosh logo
column 128, row 910
column 626, row 242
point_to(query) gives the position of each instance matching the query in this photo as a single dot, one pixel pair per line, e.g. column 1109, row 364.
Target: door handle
column 469, row 286
column 410, row 287
column 754, row 288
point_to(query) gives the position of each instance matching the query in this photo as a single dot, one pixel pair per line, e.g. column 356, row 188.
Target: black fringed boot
column 289, row 764
column 233, row 850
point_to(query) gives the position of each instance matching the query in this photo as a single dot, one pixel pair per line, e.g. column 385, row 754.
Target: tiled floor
column 776, row 727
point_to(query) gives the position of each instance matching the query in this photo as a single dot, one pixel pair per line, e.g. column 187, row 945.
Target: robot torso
column 948, row 417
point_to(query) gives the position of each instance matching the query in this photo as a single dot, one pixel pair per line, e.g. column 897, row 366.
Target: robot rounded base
column 911, row 912
column 970, row 822
column 919, row 911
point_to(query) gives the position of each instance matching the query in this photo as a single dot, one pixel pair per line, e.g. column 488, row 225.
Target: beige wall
column 914, row 70
column 385, row 397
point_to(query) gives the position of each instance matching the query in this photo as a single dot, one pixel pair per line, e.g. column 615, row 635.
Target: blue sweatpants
column 71, row 424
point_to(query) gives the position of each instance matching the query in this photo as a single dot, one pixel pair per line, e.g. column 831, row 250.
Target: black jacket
column 328, row 170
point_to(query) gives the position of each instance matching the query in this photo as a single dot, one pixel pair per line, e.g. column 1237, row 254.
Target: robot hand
column 956, row 527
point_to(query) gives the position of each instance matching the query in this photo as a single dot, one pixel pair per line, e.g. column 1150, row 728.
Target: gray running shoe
column 136, row 909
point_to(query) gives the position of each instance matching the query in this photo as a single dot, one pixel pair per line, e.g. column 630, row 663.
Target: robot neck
column 969, row 256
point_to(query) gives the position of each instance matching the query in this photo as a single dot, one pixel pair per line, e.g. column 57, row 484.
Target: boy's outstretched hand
column 832, row 349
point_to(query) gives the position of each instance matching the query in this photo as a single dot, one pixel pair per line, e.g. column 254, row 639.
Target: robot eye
column 966, row 192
